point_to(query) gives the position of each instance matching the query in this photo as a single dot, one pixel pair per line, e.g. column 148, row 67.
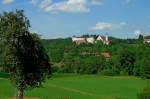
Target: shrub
column 123, row 73
column 107, row 72
column 4, row 75
column 145, row 94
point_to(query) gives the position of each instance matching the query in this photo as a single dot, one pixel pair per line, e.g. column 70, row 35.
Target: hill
column 126, row 57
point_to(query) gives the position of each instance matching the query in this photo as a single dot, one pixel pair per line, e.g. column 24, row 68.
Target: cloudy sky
column 64, row 18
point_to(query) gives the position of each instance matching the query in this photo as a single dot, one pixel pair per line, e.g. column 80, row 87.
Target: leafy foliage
column 128, row 56
column 24, row 54
column 145, row 94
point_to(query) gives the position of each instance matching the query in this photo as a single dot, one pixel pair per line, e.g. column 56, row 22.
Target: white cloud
column 45, row 4
column 68, row 6
column 96, row 2
column 102, row 26
column 7, row 1
column 138, row 32
column 34, row 2
column 108, row 26
column 123, row 23
column 127, row 1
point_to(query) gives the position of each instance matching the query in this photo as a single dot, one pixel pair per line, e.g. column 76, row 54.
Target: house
column 106, row 55
column 90, row 40
column 103, row 39
column 79, row 40
column 100, row 38
column 147, row 39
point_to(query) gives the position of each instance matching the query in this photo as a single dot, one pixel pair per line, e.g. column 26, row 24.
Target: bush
column 107, row 72
column 145, row 94
column 4, row 75
column 123, row 73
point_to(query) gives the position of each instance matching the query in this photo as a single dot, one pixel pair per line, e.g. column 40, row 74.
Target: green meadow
column 80, row 87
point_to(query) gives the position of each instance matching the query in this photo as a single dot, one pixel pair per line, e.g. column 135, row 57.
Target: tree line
column 128, row 57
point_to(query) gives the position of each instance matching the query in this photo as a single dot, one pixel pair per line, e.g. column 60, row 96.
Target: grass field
column 80, row 87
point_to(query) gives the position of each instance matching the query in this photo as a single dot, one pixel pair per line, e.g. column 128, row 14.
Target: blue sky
column 65, row 18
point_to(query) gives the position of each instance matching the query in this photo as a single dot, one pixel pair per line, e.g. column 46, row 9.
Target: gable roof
column 102, row 37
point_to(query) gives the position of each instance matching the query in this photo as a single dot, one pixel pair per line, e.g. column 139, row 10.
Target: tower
column 106, row 37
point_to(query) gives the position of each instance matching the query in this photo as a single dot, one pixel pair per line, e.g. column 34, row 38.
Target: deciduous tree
column 25, row 56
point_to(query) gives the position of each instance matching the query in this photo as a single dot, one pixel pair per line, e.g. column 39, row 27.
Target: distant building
column 100, row 38
column 103, row 39
column 90, row 40
column 147, row 39
column 79, row 40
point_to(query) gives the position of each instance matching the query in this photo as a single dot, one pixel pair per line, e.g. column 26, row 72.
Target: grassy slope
column 82, row 87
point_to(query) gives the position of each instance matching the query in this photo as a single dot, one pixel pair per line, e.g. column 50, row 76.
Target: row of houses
column 104, row 39
column 92, row 40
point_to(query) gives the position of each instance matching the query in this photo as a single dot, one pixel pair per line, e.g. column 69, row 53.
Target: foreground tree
column 25, row 56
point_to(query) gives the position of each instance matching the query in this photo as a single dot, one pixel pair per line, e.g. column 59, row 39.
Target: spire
column 106, row 37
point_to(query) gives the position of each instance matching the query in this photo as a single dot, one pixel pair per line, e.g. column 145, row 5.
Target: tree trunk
column 20, row 91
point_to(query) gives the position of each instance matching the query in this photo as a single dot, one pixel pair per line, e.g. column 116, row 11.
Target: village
column 99, row 38
column 103, row 39
column 79, row 40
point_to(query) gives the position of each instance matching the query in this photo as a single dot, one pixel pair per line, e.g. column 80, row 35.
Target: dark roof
column 103, row 37
column 147, row 37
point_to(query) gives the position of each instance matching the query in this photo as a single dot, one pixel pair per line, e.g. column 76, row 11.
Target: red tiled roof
column 106, row 54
